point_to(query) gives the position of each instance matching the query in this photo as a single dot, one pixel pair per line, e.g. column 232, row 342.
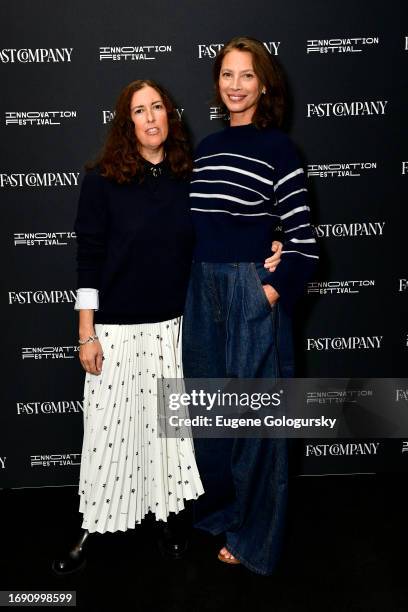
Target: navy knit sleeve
column 91, row 229
column 300, row 253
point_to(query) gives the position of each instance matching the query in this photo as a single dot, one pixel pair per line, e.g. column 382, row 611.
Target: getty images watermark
column 283, row 408
column 232, row 400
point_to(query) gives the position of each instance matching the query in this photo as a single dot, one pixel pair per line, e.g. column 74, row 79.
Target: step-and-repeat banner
column 62, row 66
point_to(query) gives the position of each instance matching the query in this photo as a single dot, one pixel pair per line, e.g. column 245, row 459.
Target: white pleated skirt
column 128, row 471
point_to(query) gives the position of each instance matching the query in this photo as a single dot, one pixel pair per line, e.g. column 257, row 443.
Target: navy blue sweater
column 135, row 246
column 247, row 183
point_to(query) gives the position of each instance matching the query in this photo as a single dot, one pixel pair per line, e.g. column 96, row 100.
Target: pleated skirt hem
column 127, row 471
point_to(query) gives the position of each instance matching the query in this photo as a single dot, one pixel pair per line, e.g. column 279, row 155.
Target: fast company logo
column 51, row 296
column 55, row 460
column 342, row 449
column 38, row 118
column 403, row 284
column 32, row 239
column 133, row 52
column 210, row 50
column 36, row 56
column 107, row 116
column 349, row 287
column 401, row 395
column 60, row 407
column 349, row 343
column 358, row 108
column 341, row 45
column 39, row 179
column 340, row 169
column 46, row 353
column 350, row 230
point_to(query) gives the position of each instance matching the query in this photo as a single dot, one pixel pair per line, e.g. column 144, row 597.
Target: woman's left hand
column 272, row 262
column 271, row 294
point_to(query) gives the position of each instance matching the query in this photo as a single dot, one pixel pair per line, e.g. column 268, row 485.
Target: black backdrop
column 62, row 66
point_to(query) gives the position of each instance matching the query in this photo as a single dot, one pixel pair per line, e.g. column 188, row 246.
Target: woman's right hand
column 91, row 356
column 271, row 263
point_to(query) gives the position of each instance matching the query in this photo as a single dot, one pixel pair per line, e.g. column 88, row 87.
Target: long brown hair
column 120, row 159
column 271, row 106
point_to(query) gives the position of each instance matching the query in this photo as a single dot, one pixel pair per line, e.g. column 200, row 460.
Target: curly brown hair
column 271, row 107
column 120, row 159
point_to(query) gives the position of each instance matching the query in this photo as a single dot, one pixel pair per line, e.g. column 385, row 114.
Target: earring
column 264, row 91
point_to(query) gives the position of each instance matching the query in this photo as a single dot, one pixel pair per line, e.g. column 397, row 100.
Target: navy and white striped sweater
column 246, row 183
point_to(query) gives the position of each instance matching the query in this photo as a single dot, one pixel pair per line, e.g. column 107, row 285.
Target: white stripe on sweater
column 287, row 177
column 227, row 212
column 300, row 253
column 295, row 211
column 297, row 227
column 231, row 183
column 291, row 194
column 221, row 196
column 305, row 240
column 238, row 170
column 259, row 161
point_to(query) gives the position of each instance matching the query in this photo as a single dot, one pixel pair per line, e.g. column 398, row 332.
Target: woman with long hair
column 133, row 215
column 247, row 182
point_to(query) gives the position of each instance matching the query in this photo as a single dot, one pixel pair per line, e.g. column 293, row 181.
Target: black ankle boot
column 75, row 559
column 173, row 536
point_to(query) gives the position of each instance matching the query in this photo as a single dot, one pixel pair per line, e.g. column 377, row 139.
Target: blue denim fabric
column 230, row 330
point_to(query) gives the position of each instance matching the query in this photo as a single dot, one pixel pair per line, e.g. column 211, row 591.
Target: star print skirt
column 126, row 470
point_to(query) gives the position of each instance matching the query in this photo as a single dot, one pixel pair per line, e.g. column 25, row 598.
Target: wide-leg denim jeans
column 230, row 330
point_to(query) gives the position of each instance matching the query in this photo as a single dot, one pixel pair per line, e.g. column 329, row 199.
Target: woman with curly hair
column 133, row 216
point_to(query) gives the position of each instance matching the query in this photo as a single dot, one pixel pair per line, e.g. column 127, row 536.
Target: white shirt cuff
column 87, row 299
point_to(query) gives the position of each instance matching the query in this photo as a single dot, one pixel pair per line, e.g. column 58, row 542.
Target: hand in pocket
column 271, row 294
